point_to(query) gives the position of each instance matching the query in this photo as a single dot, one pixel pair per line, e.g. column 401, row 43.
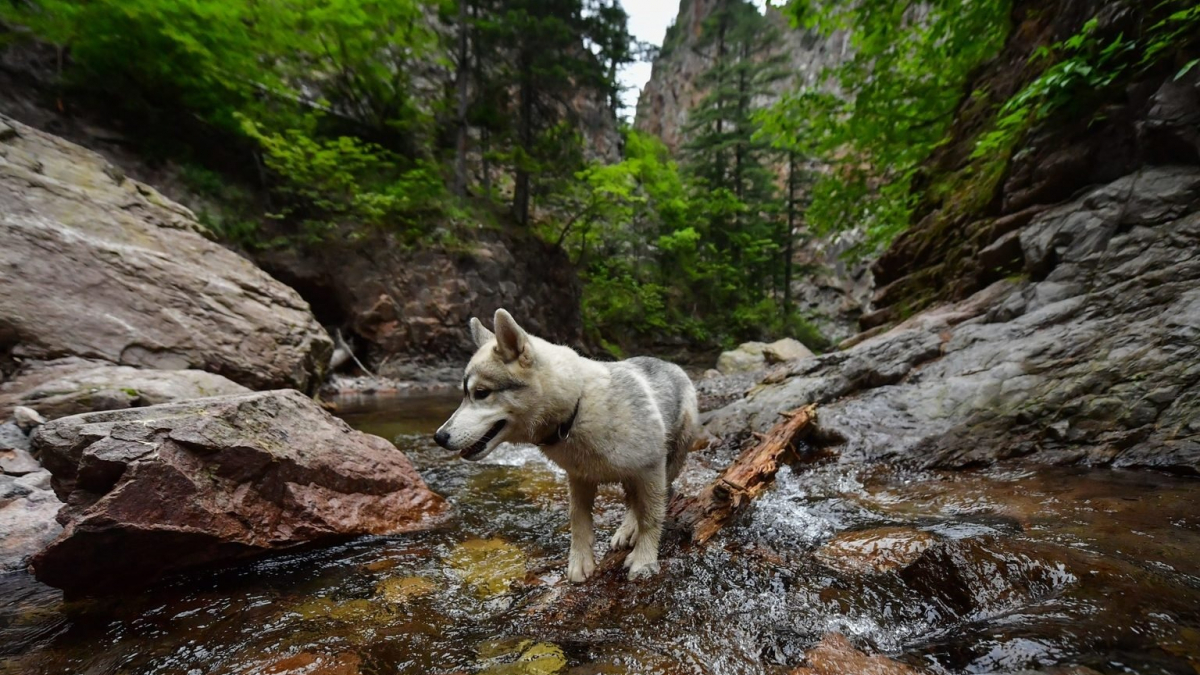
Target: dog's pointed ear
column 480, row 334
column 511, row 340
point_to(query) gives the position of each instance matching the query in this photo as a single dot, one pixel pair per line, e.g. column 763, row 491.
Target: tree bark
column 789, row 242
column 460, row 141
column 525, row 137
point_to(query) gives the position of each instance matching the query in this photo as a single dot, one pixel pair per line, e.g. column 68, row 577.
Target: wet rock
column 308, row 663
column 400, row 590
column 523, row 657
column 747, row 357
column 878, row 550
column 787, row 349
column 836, row 655
column 1095, row 359
column 27, row 524
column 132, row 278
column 976, row 577
column 155, row 490
column 71, row 386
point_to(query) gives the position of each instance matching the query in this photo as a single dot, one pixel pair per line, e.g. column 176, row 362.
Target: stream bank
column 1004, row 569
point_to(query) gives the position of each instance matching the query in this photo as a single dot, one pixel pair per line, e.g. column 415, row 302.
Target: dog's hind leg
column 627, row 534
column 651, row 494
column 581, row 562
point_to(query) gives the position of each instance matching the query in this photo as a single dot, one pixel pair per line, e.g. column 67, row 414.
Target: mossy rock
column 489, row 566
column 523, row 657
column 400, row 590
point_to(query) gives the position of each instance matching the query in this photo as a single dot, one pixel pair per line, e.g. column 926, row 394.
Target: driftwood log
column 696, row 518
column 700, row 516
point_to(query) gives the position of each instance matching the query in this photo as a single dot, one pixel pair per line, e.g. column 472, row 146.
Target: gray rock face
column 72, row 385
column 212, row 480
column 27, row 510
column 98, row 266
column 1095, row 359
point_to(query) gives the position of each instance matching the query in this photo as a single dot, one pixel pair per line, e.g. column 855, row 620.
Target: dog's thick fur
column 630, row 422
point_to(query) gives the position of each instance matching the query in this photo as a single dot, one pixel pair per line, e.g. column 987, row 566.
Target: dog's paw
column 625, row 536
column 643, row 569
column 579, row 568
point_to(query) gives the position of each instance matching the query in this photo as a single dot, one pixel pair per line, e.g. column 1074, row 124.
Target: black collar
column 563, row 431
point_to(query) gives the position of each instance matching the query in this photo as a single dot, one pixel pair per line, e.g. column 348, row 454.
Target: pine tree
column 725, row 155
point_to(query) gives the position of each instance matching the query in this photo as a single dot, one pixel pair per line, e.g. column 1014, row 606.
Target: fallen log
column 700, row 516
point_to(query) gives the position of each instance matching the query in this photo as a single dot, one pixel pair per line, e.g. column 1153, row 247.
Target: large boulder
column 99, row 266
column 163, row 488
column 71, row 386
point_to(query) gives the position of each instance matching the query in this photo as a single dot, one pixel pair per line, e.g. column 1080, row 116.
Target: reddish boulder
column 159, row 489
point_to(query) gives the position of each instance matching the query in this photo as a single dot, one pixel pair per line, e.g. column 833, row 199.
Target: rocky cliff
column 1059, row 318
column 967, row 230
column 834, row 293
column 399, row 302
column 673, row 90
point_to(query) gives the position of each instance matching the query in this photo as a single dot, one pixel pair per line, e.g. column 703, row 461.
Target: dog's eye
column 481, row 394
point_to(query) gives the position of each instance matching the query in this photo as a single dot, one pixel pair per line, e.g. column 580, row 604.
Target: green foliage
column 1085, row 66
column 327, row 182
column 901, row 88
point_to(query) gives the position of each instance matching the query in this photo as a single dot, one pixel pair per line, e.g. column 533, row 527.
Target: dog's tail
column 686, row 432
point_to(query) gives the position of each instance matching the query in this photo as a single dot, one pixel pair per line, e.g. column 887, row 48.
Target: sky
column 648, row 21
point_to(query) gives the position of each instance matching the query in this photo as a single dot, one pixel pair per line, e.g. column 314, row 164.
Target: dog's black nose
column 442, row 438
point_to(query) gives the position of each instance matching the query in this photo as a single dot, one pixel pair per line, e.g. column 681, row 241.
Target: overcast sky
column 648, row 21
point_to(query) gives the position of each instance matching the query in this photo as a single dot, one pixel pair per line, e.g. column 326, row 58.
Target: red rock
column 163, row 488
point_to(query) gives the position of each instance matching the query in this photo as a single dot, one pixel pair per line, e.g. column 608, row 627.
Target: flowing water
column 993, row 571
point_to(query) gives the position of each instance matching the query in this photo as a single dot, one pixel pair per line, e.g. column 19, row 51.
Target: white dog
column 630, row 422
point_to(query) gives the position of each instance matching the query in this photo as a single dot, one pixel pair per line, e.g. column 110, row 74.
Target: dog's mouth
column 482, row 444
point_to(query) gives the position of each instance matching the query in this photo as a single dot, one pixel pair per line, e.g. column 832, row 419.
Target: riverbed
column 1013, row 568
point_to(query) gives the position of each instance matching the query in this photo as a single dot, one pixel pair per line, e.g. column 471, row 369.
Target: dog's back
column 675, row 398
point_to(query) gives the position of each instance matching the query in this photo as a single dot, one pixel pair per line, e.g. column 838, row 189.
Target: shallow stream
column 1002, row 570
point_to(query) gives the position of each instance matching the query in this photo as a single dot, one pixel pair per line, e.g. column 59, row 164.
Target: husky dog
column 630, row 422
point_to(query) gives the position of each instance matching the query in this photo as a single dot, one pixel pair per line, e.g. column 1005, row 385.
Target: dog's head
column 499, row 393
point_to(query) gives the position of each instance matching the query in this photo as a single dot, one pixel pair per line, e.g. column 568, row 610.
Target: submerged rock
column 882, row 549
column 836, row 655
column 72, row 385
column 489, row 566
column 99, row 266
column 163, row 488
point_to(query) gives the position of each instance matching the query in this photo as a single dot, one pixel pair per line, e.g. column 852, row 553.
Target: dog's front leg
column 651, row 495
column 581, row 562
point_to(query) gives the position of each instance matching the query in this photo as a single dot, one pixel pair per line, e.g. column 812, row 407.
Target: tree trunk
column 525, row 137
column 460, row 141
column 790, row 240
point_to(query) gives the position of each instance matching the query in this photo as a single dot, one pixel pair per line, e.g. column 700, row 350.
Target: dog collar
column 563, row 431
